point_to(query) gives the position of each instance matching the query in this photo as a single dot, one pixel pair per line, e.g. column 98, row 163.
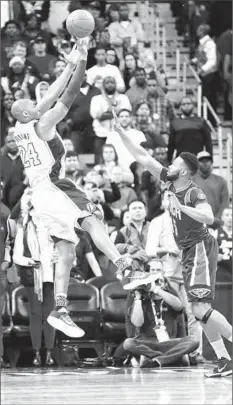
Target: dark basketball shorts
column 199, row 268
column 79, row 198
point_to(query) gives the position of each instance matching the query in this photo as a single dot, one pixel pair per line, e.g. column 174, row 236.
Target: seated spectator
column 124, row 221
column 127, row 193
column 144, row 122
column 207, row 66
column 112, row 14
column 7, row 119
column 20, row 49
column 33, row 30
column 108, row 160
column 41, row 90
column 101, row 111
column 132, row 238
column 86, row 264
column 12, row 171
column 19, row 78
column 64, row 46
column 155, row 326
column 188, row 132
column 41, row 59
column 130, row 66
column 80, row 120
column 58, row 68
column 125, row 158
column 103, row 70
column 125, row 31
column 162, row 108
column 27, row 254
column 213, row 185
column 68, row 144
column 74, row 169
column 18, row 94
column 10, row 34
column 224, row 238
column 111, row 57
column 139, row 90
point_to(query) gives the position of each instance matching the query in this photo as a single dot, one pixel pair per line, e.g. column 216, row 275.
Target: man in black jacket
column 189, row 133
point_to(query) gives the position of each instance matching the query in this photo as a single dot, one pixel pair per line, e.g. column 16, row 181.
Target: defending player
column 59, row 207
column 190, row 213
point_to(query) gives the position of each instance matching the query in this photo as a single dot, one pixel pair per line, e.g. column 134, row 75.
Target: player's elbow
column 209, row 218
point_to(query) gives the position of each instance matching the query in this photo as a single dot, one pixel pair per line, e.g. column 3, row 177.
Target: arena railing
column 207, row 108
column 197, row 91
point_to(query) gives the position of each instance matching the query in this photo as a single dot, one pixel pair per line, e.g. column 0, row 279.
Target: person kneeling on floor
column 151, row 323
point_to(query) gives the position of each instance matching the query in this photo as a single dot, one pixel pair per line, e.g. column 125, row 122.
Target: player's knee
column 201, row 311
column 128, row 343
column 66, row 252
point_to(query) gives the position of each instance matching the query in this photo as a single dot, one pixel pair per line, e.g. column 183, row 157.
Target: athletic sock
column 220, row 349
column 60, row 301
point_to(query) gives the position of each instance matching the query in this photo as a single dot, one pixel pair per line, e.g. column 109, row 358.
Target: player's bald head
column 23, row 110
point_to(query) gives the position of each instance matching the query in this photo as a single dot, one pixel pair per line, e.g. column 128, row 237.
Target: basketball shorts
column 200, row 267
column 61, row 208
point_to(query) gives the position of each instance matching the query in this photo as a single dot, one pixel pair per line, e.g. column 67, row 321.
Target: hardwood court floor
column 113, row 386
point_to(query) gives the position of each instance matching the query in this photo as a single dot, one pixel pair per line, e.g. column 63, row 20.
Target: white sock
column 220, row 349
column 230, row 339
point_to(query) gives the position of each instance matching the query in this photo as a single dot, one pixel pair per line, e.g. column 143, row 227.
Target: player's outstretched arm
column 138, row 152
column 57, row 88
column 47, row 123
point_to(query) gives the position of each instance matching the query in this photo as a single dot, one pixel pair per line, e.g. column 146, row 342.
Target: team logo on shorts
column 199, row 292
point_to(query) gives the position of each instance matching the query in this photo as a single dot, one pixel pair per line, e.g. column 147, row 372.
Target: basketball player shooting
column 59, row 206
column 190, row 214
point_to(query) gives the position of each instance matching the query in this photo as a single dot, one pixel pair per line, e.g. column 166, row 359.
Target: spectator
column 68, row 145
column 160, row 154
column 111, row 57
column 189, row 132
column 41, row 59
column 33, row 30
column 12, row 171
column 5, row 264
column 162, row 108
column 112, row 14
column 65, row 46
column 127, row 193
column 130, row 66
column 139, row 90
column 132, row 238
column 224, row 46
column 102, row 70
column 213, row 185
column 224, row 237
column 20, row 49
column 125, row 30
column 144, row 122
column 23, row 9
column 101, row 111
column 80, row 120
column 40, row 293
column 86, row 265
column 207, row 65
column 19, row 78
column 58, row 68
column 125, row 158
column 10, row 34
column 74, row 169
column 41, row 90
column 18, row 94
column 7, row 120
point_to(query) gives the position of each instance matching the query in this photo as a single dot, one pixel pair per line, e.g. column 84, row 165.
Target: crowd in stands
column 121, row 73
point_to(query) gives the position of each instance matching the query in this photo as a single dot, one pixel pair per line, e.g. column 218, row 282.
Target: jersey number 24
column 29, row 156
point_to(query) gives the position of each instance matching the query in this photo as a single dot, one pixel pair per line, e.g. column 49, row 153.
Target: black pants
column 39, row 311
column 168, row 353
column 98, row 145
column 210, row 88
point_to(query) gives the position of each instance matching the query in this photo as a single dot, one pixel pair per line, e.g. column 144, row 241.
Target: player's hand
column 141, row 255
column 173, row 201
column 79, row 52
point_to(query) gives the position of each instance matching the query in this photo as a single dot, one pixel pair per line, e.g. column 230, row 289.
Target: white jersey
column 36, row 155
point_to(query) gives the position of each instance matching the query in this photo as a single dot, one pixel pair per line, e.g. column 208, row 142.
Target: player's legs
column 200, row 284
column 98, row 234
column 59, row 318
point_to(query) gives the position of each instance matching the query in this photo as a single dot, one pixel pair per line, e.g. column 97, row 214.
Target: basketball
column 80, row 23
